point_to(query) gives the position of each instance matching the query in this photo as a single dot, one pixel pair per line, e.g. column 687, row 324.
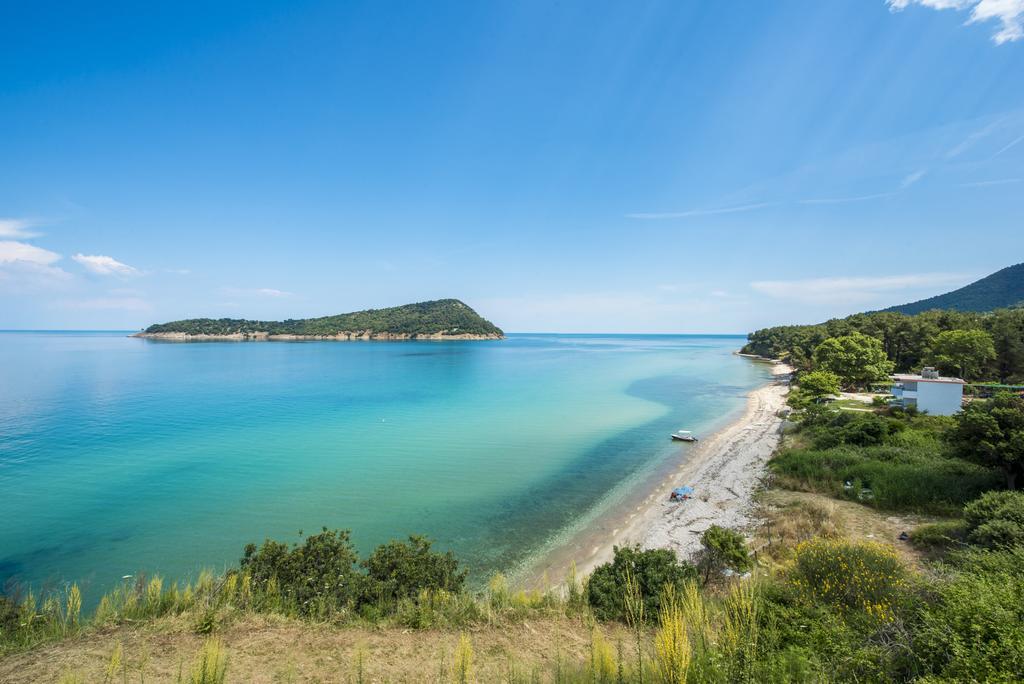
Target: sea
column 125, row 456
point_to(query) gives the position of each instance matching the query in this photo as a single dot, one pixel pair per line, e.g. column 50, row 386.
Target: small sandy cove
column 724, row 469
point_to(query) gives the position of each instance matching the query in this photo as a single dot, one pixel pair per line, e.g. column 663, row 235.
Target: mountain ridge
column 999, row 290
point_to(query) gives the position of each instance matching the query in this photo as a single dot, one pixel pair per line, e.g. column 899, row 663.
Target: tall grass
column 888, row 477
column 210, row 665
column 462, row 664
column 671, row 641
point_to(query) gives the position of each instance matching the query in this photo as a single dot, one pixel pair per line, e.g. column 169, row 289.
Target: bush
column 404, row 569
column 722, row 549
column 854, row 427
column 865, row 578
column 653, row 570
column 939, row 535
column 319, row 576
column 996, row 519
column 973, row 631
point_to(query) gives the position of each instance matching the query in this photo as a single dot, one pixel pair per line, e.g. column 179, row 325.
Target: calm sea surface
column 121, row 455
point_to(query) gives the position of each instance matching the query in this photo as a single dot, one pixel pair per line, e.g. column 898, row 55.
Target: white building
column 929, row 392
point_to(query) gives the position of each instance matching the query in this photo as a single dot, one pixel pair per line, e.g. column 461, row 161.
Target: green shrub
column 404, row 569
column 864, row 578
column 319, row 576
column 974, row 631
column 939, row 535
column 652, row 570
column 722, row 549
column 996, row 519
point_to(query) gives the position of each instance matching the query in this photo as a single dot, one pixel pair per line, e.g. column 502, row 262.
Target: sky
column 564, row 166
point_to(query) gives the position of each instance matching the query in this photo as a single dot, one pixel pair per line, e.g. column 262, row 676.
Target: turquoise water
column 120, row 455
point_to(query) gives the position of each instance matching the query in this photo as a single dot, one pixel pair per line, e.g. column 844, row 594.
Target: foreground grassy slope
column 442, row 316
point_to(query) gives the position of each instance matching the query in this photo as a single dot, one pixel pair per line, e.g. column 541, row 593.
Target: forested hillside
column 1004, row 288
column 940, row 338
column 443, row 316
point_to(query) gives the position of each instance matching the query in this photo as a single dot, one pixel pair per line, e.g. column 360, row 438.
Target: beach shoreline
column 724, row 469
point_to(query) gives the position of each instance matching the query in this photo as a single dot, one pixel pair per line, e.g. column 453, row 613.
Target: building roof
column 906, row 377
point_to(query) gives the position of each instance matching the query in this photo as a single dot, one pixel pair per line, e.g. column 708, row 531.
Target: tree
column 402, row 569
column 652, row 570
column 991, row 433
column 1007, row 329
column 819, row 383
column 318, row 575
column 722, row 548
column 856, row 358
column 964, row 351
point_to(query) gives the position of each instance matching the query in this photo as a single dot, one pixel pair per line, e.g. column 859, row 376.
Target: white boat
column 683, row 436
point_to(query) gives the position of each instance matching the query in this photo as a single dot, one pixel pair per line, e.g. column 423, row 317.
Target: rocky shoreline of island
column 344, row 336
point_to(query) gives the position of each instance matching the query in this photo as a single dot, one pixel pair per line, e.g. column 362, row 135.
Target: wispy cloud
column 25, row 267
column 845, row 200
column 1009, row 146
column 984, row 184
column 105, row 265
column 912, row 178
column 850, row 289
column 1009, row 14
column 968, row 142
column 254, row 292
column 701, row 212
column 20, row 251
column 18, row 229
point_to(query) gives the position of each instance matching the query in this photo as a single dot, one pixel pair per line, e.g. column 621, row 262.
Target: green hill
column 441, row 318
column 1002, row 289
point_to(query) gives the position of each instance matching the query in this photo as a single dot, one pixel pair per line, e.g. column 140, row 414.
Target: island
column 442, row 319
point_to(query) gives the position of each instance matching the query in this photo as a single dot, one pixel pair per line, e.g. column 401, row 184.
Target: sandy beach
column 724, row 470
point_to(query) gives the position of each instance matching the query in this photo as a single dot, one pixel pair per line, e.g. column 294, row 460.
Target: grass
column 912, row 469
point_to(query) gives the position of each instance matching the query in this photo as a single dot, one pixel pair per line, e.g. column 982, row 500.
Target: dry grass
column 789, row 518
column 283, row 650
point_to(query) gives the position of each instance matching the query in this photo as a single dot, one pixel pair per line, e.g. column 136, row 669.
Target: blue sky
column 571, row 166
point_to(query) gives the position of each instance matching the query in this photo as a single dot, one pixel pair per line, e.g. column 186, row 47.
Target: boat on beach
column 683, row 436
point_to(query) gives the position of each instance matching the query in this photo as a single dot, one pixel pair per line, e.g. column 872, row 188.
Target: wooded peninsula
column 442, row 319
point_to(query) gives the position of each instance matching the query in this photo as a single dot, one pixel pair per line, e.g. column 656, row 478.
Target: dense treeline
column 909, row 341
column 448, row 316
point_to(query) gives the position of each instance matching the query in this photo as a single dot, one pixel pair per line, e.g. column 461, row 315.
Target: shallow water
column 120, row 455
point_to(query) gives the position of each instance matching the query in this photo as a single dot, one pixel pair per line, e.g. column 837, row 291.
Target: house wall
column 939, row 398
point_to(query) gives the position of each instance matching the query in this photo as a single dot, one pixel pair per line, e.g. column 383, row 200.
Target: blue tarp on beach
column 680, row 491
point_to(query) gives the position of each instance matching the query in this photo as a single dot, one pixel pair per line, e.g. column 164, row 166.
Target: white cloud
column 851, row 289
column 1009, row 146
column 104, row 265
column 17, row 228
column 1009, row 14
column 25, row 267
column 701, row 212
column 254, row 292
column 968, row 142
column 19, row 251
column 912, row 178
column 845, row 200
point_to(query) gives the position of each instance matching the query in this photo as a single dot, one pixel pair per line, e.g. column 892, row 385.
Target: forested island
column 442, row 319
